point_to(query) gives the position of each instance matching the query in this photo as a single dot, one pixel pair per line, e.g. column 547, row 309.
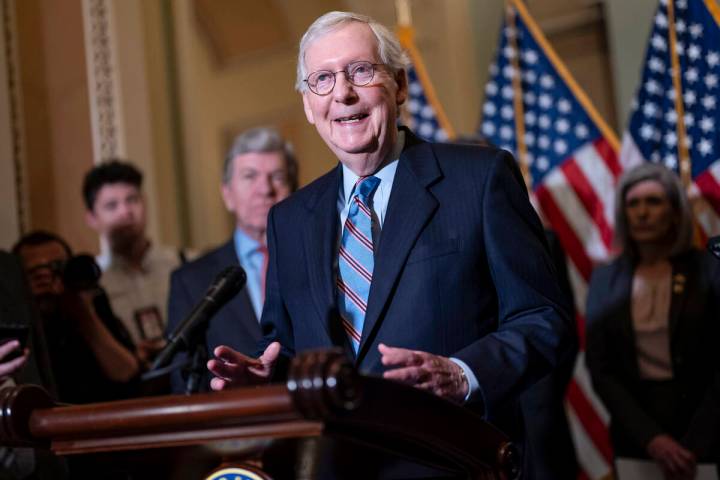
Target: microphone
column 226, row 285
column 713, row 246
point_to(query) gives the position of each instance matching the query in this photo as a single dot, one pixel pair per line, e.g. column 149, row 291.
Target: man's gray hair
column 260, row 140
column 389, row 49
column 683, row 223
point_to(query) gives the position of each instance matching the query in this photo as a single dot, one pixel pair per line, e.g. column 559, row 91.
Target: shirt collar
column 244, row 245
column 385, row 174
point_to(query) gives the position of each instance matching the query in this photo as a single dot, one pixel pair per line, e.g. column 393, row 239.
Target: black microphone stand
column 194, row 371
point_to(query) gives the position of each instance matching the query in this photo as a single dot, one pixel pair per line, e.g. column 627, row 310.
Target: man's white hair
column 389, row 49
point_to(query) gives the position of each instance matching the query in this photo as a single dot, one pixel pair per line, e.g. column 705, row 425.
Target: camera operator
column 90, row 352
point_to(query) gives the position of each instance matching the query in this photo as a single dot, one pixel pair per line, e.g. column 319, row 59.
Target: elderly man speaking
column 425, row 262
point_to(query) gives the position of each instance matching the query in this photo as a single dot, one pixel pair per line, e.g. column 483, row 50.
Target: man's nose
column 344, row 91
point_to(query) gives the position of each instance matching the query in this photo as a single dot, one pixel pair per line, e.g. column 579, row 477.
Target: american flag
column 663, row 119
column 423, row 113
column 534, row 108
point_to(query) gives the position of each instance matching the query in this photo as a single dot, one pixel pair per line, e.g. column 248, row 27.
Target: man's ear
column 227, row 197
column 402, row 83
column 91, row 220
column 306, row 105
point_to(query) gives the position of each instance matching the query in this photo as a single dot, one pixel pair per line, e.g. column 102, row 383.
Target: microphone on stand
column 226, row 285
column 713, row 246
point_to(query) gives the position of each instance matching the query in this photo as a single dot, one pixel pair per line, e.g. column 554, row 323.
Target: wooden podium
column 189, row 436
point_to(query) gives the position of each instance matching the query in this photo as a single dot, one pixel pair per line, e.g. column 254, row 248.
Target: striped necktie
column 355, row 261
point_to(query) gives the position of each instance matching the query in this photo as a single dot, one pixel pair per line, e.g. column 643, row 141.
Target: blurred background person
column 260, row 170
column 653, row 330
column 135, row 270
column 23, row 360
column 90, row 353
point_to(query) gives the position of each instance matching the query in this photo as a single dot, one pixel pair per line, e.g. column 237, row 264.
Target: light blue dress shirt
column 252, row 261
column 380, row 200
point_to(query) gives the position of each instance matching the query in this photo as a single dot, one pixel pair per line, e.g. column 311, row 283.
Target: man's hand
column 433, row 373
column 676, row 462
column 12, row 366
column 233, row 369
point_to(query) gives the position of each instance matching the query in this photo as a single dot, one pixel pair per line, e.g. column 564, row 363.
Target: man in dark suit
column 260, row 170
column 428, row 266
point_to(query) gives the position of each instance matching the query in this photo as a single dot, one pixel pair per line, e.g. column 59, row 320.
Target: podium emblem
column 234, row 473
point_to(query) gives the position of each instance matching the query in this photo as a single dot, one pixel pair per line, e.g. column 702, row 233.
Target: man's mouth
column 351, row 118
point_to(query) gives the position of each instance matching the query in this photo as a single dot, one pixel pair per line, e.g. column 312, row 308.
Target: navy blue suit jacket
column 461, row 270
column 234, row 325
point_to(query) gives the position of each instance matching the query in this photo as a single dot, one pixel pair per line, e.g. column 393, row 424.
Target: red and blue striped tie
column 355, row 260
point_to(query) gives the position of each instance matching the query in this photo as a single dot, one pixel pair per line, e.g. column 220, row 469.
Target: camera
column 80, row 272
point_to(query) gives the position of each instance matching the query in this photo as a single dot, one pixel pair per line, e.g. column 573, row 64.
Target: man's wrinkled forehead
column 357, row 40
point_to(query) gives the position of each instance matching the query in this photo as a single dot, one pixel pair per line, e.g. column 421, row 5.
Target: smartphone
column 17, row 332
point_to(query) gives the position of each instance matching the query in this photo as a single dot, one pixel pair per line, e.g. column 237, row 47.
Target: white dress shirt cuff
column 474, row 390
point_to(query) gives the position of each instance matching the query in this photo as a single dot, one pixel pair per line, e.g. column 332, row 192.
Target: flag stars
column 689, row 97
column 670, row 94
column 506, row 112
column 656, row 64
column 650, row 109
column 530, row 56
column 530, row 98
column 689, row 120
column 707, row 124
column 705, row 147
column 694, row 52
column 691, row 75
column 509, row 72
column 547, row 82
column 509, row 52
column 544, row 142
column 670, row 161
column 427, row 112
column 680, row 48
column 530, row 77
column 544, row 122
column 564, row 105
column 413, row 106
column 545, row 101
column 712, row 59
column 661, row 20
column 670, row 138
column 696, row 30
column 488, row 128
column 581, row 131
column 542, row 163
column 491, row 89
column 560, row 146
column 489, row 109
column 658, row 42
column 653, row 87
column 711, row 81
column 529, row 139
column 530, row 118
column 671, row 116
column 506, row 133
column 680, row 26
column 562, row 126
column 507, row 92
column 646, row 131
column 708, row 102
column 681, row 4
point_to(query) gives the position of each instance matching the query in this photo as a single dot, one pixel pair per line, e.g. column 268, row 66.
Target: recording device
column 78, row 273
column 226, row 285
column 713, row 246
column 12, row 332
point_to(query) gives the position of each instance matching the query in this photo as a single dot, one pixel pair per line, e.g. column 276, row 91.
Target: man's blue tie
column 355, row 260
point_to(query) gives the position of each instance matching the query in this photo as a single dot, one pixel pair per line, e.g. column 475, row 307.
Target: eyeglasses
column 358, row 74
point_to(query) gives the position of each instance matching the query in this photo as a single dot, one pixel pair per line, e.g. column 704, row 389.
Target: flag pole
column 518, row 98
column 682, row 146
column 562, row 70
column 406, row 35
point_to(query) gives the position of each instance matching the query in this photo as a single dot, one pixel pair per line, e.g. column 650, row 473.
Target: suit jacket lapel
column 679, row 292
column 320, row 238
column 410, row 207
column 240, row 307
